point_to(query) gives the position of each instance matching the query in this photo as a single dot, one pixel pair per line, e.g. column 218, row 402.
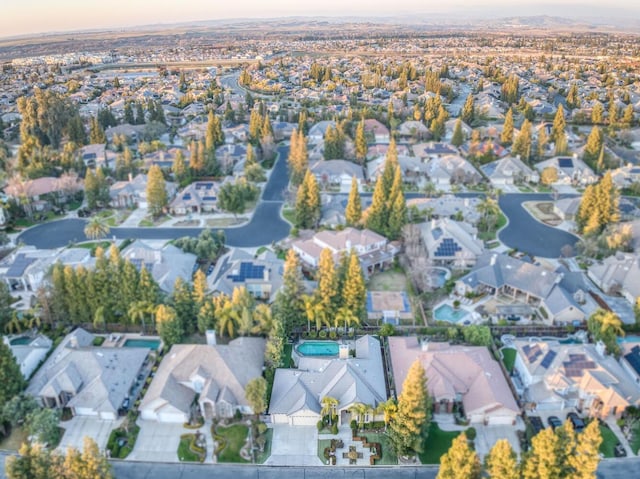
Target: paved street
column 526, row 233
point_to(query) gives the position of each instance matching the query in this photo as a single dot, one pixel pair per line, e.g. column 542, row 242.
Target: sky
column 21, row 17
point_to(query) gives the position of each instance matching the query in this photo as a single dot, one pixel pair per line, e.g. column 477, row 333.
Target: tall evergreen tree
column 327, row 292
column 506, row 137
column 308, row 205
column 288, row 303
column 408, row 428
column 169, row 326
column 361, row 142
column 460, row 461
column 468, row 110
column 594, row 145
column 559, row 125
column 156, row 191
column 353, row 211
column 522, row 143
column 10, row 375
column 354, row 290
column 543, row 460
column 584, row 462
column 458, row 136
column 502, row 461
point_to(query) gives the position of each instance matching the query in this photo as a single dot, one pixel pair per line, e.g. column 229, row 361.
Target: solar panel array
column 577, row 364
column 186, row 196
column 209, row 198
column 565, row 162
column 532, row 352
column 19, row 266
column 139, row 263
column 633, row 358
column 204, row 186
column 548, row 359
column 448, row 247
column 247, row 271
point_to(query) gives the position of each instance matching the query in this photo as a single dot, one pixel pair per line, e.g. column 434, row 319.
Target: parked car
column 619, row 451
column 577, row 421
column 554, row 422
column 210, row 269
column 536, row 424
column 126, row 403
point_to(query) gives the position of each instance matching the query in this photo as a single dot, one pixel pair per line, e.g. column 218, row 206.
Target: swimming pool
column 142, row 343
column 20, row 340
column 318, row 348
column 626, row 339
column 447, row 313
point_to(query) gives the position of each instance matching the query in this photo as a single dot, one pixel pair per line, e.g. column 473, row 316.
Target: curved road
column 523, row 232
column 526, row 234
column 266, row 224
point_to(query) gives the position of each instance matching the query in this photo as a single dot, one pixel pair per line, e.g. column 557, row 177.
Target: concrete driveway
column 157, row 442
column 488, row 435
column 80, row 427
column 294, row 446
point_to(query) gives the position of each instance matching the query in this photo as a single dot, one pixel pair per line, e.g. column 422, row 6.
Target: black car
column 554, row 422
column 576, row 421
column 536, row 424
column 619, row 451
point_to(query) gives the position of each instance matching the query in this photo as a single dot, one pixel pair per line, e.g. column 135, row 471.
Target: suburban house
column 229, row 155
column 451, row 169
column 166, row 264
column 432, row 150
column 626, row 176
column 570, row 170
column 297, row 393
column 215, row 374
column 90, row 380
column 524, row 283
column 28, row 350
column 630, row 360
column 567, row 208
column 261, row 276
column 95, row 155
column 619, row 273
column 451, row 242
column 133, row 192
column 457, row 374
column 413, row 130
column 556, row 376
column 26, row 268
column 198, row 197
column 413, row 169
column 43, row 193
column 449, row 206
column 376, row 130
column 508, row 171
column 317, row 131
column 374, row 250
column 337, row 173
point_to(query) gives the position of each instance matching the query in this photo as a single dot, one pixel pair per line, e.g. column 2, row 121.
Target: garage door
column 304, row 420
column 175, row 418
column 500, row 420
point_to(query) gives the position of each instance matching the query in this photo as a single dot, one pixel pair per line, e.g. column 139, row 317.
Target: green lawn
column 234, row 438
column 388, row 457
column 263, row 456
column 15, row 439
column 184, row 453
column 609, row 441
column 437, row 443
column 491, row 234
column 289, row 214
column 509, row 358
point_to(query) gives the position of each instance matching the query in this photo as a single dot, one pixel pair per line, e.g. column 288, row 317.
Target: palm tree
column 429, row 189
column 14, row 326
column 488, row 207
column 359, row 410
column 96, row 228
column 608, row 322
column 138, row 312
column 228, row 319
column 345, row 316
column 99, row 318
column 309, row 309
column 329, row 407
column 389, row 409
column 262, row 319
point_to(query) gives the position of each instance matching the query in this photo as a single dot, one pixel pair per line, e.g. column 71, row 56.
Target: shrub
column 332, row 335
column 313, row 334
column 320, row 425
column 471, row 433
column 98, row 340
column 353, row 424
column 334, row 428
column 322, row 334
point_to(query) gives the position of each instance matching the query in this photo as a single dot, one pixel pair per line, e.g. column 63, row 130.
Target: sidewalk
column 613, row 425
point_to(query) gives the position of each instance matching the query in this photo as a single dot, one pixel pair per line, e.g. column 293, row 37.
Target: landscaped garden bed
column 192, row 448
column 230, row 442
column 122, row 440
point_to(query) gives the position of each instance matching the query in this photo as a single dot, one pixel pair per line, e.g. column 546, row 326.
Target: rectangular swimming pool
column 318, row 348
column 142, row 343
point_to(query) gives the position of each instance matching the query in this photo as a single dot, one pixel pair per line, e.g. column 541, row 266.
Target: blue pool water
column 20, row 340
column 447, row 313
column 629, row 339
column 142, row 343
column 318, row 348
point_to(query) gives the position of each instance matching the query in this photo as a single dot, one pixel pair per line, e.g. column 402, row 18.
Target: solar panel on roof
column 209, row 198
column 633, row 358
column 548, row 359
column 565, row 162
column 186, row 196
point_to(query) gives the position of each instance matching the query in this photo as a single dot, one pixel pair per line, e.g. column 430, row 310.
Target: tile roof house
column 619, row 273
column 261, row 276
column 414, row 170
column 555, row 376
column 451, row 242
column 28, row 350
column 433, row 150
column 524, row 283
column 337, row 173
column 216, row 373
column 373, row 249
column 198, row 197
column 91, row 381
column 376, row 130
column 317, row 131
column 570, row 170
column 451, row 169
column 165, row 264
column 449, row 206
column 297, row 393
column 414, row 130
column 508, row 171
column 466, row 374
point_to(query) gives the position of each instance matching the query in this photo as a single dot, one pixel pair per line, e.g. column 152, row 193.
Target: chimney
column 211, row 337
column 343, row 351
column 130, row 177
column 73, row 342
column 265, row 274
column 600, row 349
column 348, row 245
column 424, row 345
